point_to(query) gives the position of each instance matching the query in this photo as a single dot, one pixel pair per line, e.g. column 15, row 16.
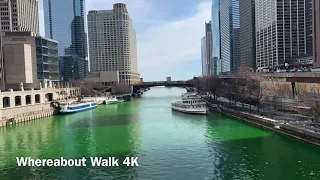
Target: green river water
column 170, row 145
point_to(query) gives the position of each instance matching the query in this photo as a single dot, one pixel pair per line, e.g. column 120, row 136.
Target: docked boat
column 190, row 95
column 72, row 107
column 191, row 106
column 113, row 100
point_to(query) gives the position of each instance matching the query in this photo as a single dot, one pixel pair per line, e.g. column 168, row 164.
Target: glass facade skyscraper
column 78, row 35
column 204, row 56
column 229, row 29
column 65, row 22
column 247, row 34
column 57, row 20
column 47, row 59
column 215, row 25
column 208, row 67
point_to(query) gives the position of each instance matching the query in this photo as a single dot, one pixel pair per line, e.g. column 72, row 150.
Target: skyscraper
column 229, row 26
column 209, row 49
column 204, row 56
column 247, row 34
column 283, row 33
column 206, row 49
column 112, row 43
column 58, row 16
column 19, row 15
column 64, row 22
column 215, row 25
column 316, row 33
column 78, row 35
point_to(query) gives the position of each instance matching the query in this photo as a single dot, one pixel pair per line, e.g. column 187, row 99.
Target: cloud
column 168, row 45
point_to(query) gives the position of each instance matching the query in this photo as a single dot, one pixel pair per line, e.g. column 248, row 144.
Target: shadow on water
column 114, row 120
column 174, row 146
column 260, row 158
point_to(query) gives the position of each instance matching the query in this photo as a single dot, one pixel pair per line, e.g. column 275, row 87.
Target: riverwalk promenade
column 25, row 105
column 294, row 125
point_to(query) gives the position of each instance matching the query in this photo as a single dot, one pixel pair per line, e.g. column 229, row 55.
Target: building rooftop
column 116, row 8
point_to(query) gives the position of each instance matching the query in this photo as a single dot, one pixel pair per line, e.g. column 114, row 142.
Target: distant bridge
column 162, row 83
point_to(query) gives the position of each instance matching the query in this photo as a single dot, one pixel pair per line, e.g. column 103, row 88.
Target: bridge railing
column 164, row 82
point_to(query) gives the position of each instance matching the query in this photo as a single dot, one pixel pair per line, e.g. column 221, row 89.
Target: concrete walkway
column 298, row 131
column 295, row 120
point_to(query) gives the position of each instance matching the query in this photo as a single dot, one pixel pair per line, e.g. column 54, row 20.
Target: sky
column 169, row 35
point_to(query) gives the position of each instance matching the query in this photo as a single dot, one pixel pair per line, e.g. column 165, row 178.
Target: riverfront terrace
column 24, row 105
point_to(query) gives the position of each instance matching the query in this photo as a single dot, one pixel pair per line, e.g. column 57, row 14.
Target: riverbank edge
column 270, row 124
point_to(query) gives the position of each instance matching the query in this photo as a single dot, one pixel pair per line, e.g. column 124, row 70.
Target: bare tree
column 258, row 90
column 314, row 103
column 241, row 79
column 242, row 86
column 122, row 88
column 214, row 83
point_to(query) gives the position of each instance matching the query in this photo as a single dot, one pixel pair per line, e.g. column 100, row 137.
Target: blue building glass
column 47, row 59
column 215, row 25
column 67, row 26
column 229, row 29
column 78, row 7
column 57, row 20
column 78, row 45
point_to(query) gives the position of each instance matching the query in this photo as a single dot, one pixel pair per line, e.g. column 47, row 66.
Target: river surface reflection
column 170, row 145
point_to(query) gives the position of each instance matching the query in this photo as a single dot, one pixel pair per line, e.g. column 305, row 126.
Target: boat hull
column 193, row 111
column 112, row 102
column 69, row 111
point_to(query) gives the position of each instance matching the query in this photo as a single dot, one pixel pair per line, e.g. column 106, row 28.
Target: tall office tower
column 215, row 25
column 112, row 43
column 64, row 22
column 78, row 35
column 204, row 56
column 247, row 34
column 58, row 15
column 316, row 33
column 19, row 15
column 283, row 33
column 210, row 65
column 229, row 26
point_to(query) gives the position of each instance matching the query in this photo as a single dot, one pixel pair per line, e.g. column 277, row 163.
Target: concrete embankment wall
column 287, row 129
column 25, row 113
column 25, row 105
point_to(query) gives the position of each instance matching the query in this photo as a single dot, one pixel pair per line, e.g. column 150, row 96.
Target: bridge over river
column 136, row 87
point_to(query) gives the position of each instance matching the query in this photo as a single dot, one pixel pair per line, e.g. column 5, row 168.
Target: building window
column 6, row 102
column 28, row 99
column 17, row 100
column 37, row 98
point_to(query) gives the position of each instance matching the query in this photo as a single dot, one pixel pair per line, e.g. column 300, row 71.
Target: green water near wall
column 170, row 145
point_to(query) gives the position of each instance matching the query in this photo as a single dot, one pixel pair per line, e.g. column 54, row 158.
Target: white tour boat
column 190, row 95
column 72, row 107
column 192, row 106
column 113, row 100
